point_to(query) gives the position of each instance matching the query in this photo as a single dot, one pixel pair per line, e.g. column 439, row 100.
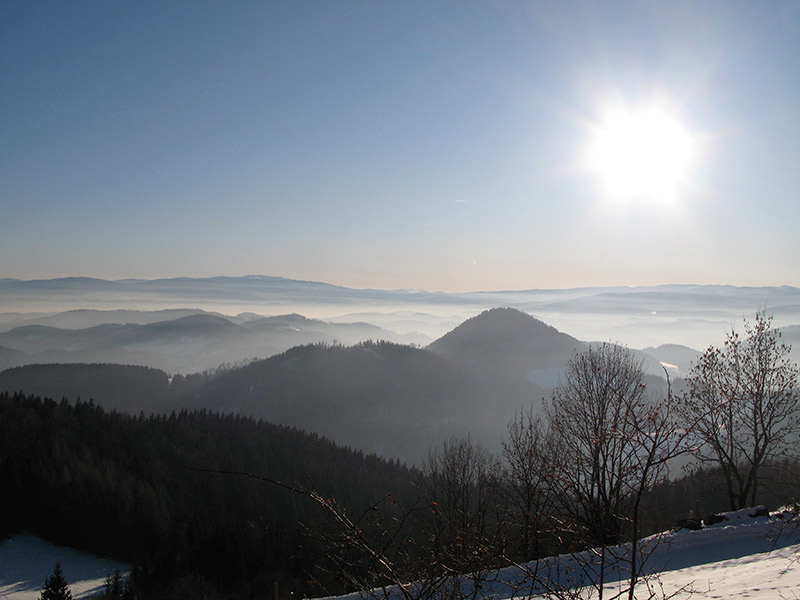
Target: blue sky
column 425, row 145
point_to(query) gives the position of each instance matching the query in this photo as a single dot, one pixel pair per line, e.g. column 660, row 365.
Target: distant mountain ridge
column 644, row 316
column 192, row 342
column 381, row 397
column 84, row 318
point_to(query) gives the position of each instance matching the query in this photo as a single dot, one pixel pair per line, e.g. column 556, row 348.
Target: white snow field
column 26, row 561
column 738, row 558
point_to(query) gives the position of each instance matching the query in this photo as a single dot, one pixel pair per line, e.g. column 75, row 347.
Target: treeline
column 126, row 388
column 144, row 490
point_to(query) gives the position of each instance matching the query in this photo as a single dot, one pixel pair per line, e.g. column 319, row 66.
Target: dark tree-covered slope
column 128, row 388
column 509, row 351
column 129, row 487
column 382, row 397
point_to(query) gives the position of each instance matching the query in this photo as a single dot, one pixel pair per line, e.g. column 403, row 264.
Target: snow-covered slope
column 26, row 561
column 772, row 575
column 740, row 557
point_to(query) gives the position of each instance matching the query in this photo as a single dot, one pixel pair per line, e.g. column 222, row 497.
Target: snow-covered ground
column 26, row 561
column 771, row 575
column 741, row 557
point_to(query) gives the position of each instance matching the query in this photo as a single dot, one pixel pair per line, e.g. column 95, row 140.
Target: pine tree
column 115, row 588
column 55, row 586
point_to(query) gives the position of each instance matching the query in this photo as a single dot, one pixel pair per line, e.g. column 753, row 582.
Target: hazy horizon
column 337, row 283
column 694, row 316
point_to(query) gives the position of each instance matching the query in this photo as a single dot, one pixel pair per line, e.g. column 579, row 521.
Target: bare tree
column 656, row 440
column 528, row 487
column 444, row 547
column 610, row 442
column 590, row 433
column 460, row 482
column 742, row 407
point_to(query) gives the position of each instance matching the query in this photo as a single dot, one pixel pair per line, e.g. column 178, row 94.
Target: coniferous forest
column 142, row 489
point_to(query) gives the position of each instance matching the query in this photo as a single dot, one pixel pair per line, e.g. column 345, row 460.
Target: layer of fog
column 691, row 315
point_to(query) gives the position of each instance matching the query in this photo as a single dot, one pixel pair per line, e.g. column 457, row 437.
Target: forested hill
column 128, row 388
column 392, row 399
column 395, row 400
column 126, row 487
column 504, row 346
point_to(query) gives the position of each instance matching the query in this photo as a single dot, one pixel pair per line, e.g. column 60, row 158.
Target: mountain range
column 685, row 314
column 190, row 343
column 393, row 399
column 389, row 371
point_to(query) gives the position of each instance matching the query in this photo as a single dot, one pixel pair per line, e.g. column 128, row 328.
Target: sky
column 424, row 145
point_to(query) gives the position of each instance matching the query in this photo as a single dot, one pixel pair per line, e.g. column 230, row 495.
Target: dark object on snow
column 690, row 523
column 755, row 511
column 713, row 519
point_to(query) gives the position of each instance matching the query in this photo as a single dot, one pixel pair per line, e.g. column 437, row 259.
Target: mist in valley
column 390, row 372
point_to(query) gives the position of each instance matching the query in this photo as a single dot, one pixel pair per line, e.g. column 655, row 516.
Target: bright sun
column 641, row 155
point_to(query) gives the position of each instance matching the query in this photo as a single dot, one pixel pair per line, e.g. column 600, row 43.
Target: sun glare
column 641, row 155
